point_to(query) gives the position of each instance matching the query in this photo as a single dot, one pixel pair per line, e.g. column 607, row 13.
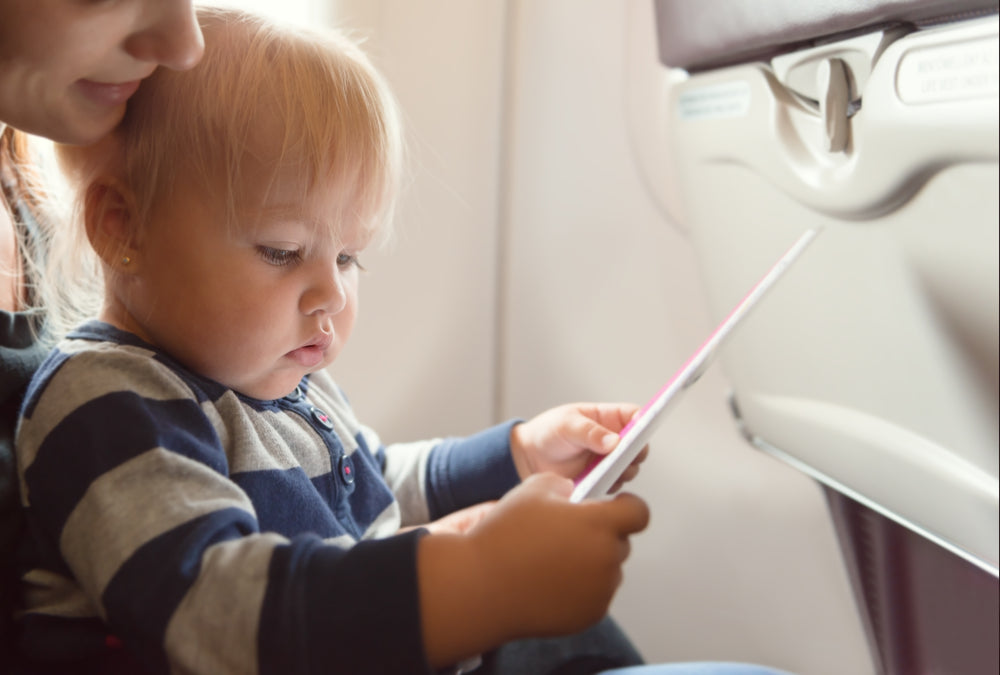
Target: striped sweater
column 209, row 532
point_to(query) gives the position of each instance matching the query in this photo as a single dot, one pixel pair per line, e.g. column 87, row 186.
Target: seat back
column 874, row 366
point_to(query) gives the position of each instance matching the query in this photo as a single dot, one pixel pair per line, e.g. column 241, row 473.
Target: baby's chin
column 267, row 392
column 271, row 388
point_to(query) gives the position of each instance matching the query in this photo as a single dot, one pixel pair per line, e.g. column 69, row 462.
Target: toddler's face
column 255, row 307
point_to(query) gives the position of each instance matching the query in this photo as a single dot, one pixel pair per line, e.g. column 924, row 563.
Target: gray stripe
column 115, row 516
column 268, row 440
column 405, row 472
column 214, row 629
column 96, row 371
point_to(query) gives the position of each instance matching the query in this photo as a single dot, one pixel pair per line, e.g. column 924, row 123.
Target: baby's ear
column 110, row 218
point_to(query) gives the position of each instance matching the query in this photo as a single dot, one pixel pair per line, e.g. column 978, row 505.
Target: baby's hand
column 555, row 565
column 534, row 565
column 566, row 439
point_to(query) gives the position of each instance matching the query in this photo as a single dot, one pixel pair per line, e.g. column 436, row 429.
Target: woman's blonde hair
column 328, row 113
column 38, row 212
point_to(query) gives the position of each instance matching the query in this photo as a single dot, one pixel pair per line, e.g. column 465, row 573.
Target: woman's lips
column 111, row 94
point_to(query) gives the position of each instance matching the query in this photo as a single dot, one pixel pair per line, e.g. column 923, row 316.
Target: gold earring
column 126, row 260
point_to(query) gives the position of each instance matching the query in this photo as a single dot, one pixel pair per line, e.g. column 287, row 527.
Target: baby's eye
column 278, row 256
column 348, row 260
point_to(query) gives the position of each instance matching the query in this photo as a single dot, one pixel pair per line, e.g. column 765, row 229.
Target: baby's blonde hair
column 329, row 114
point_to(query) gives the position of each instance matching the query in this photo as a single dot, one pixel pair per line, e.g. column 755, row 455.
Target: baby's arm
column 535, row 565
column 454, row 473
column 434, row 479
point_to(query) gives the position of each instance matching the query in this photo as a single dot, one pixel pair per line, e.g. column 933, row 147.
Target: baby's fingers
column 631, row 471
column 625, row 514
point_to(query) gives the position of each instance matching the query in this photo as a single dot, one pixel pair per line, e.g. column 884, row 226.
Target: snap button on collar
column 345, row 467
column 321, row 417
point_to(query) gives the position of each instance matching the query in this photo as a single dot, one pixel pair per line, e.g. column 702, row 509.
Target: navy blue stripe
column 283, row 637
column 287, row 502
column 466, row 471
column 40, row 381
column 353, row 611
column 371, row 495
column 290, row 503
column 106, row 432
column 99, row 331
column 143, row 595
column 36, row 551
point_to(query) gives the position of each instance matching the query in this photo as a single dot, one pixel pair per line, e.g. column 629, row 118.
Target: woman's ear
column 112, row 225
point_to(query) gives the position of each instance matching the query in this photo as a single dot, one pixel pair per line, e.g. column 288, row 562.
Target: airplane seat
column 873, row 366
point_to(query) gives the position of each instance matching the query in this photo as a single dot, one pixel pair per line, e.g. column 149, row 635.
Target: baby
column 200, row 496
